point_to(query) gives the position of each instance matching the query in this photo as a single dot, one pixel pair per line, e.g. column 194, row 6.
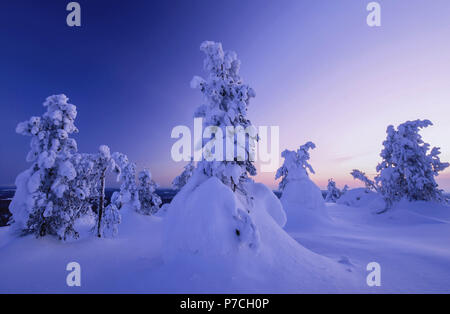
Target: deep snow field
column 410, row 242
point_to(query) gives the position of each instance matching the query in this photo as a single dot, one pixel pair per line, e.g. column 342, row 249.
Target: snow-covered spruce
column 301, row 198
column 296, row 165
column 333, row 192
column 182, row 179
column 214, row 212
column 226, row 101
column 47, row 202
column 149, row 201
column 408, row 167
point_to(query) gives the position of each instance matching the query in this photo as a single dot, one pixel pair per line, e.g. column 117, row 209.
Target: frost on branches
column 226, row 101
column 333, row 192
column 182, row 179
column 149, row 201
column 295, row 165
column 409, row 166
column 47, row 201
column 361, row 176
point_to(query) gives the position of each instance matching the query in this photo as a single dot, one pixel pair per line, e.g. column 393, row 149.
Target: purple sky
column 319, row 72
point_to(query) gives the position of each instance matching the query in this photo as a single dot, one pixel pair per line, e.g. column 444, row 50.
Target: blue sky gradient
column 319, row 72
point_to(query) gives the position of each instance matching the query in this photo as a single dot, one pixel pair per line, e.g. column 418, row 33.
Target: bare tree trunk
column 101, row 203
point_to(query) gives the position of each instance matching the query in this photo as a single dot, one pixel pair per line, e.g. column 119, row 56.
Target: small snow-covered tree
column 47, row 201
column 109, row 224
column 359, row 175
column 408, row 167
column 126, row 173
column 333, row 193
column 344, row 190
column 183, row 178
column 91, row 179
column 150, row 202
column 295, row 164
column 226, row 101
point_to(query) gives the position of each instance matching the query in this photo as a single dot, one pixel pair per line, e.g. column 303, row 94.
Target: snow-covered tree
column 409, row 167
column 150, row 202
column 183, row 178
column 226, row 101
column 46, row 201
column 333, row 192
column 126, row 173
column 302, row 199
column 91, row 180
column 224, row 114
column 361, row 176
column 295, row 164
column 109, row 224
column 344, row 190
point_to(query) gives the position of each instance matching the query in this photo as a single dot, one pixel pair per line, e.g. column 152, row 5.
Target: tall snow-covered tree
column 150, row 202
column 46, row 201
column 409, row 167
column 295, row 164
column 226, row 101
column 183, row 178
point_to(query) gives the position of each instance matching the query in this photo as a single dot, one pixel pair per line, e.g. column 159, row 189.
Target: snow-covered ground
column 410, row 243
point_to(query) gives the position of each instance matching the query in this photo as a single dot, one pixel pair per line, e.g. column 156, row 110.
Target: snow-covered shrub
column 182, row 179
column 150, row 202
column 333, row 192
column 409, row 167
column 47, row 202
column 362, row 197
column 226, row 101
column 301, row 198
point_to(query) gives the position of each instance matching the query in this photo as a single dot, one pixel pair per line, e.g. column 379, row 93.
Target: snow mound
column 263, row 197
column 304, row 205
column 413, row 213
column 361, row 197
column 203, row 252
column 204, row 218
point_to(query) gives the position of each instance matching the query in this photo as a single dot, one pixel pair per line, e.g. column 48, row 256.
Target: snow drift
column 304, row 204
column 219, row 250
